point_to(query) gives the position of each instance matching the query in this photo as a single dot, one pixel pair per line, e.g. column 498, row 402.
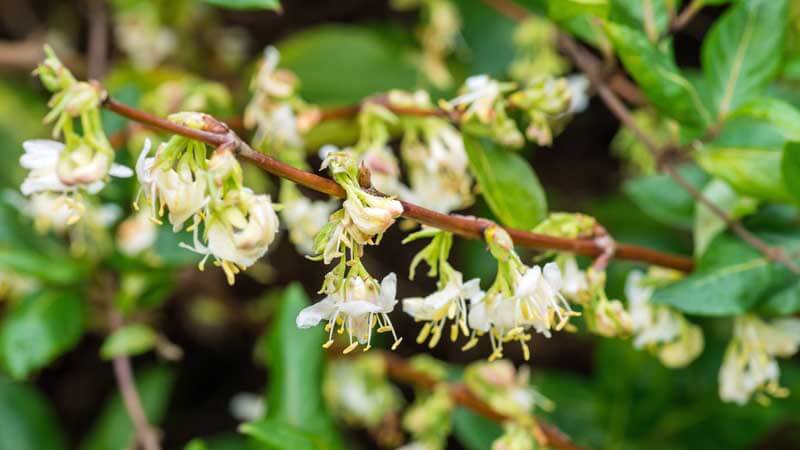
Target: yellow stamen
column 350, row 348
column 396, row 343
column 423, row 333
column 472, row 343
column 327, row 344
column 453, row 332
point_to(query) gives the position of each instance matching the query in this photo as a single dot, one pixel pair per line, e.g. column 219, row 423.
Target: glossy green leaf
column 129, row 340
column 113, row 429
column 781, row 115
column 295, row 409
column 507, row 182
column 784, row 302
column 731, row 277
column 26, row 420
column 39, row 329
column 246, row 4
column 658, row 75
column 562, row 10
column 707, row 224
column 751, row 171
column 743, row 50
column 661, row 198
column 345, row 63
column 648, row 16
column 474, row 432
column 790, row 168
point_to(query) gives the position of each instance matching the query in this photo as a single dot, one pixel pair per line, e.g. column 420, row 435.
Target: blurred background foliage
column 56, row 393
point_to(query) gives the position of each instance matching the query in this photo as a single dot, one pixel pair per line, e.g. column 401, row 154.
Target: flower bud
column 499, row 241
column 52, row 72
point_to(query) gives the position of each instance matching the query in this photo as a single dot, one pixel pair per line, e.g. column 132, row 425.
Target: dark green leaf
column 473, row 431
column 295, row 408
column 648, row 16
column 51, row 269
column 663, row 199
column 743, row 50
column 246, row 4
column 357, row 62
column 39, row 329
column 661, row 80
column 26, row 421
column 731, row 277
column 507, row 182
column 784, row 302
column 114, row 430
column 790, row 168
column 128, row 341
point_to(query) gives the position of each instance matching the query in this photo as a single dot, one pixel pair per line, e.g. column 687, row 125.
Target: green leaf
column 782, row 116
column 357, row 62
column 707, row 224
column 113, row 429
column 731, row 277
column 278, row 435
column 473, row 431
column 26, row 420
column 129, row 340
column 246, row 4
column 661, row 198
column 751, row 171
column 784, row 302
column 563, row 10
column 648, row 16
column 50, row 269
column 507, row 182
column 38, row 330
column 661, row 80
column 743, row 50
column 790, row 168
column 295, row 408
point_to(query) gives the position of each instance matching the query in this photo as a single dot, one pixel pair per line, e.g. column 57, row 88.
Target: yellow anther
column 423, row 333
column 396, row 343
column 350, row 348
column 453, row 332
column 472, row 343
column 327, row 344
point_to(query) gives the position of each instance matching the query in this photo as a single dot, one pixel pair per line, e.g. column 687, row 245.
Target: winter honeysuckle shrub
column 358, row 391
column 450, row 300
column 749, row 366
column 521, row 299
column 660, row 329
column 505, row 388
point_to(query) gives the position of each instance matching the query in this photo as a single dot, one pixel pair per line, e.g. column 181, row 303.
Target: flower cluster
column 537, row 55
column 358, row 391
column 279, row 118
column 507, row 390
column 438, row 35
column 60, row 173
column 354, row 301
column 239, row 225
column 660, row 329
column 749, row 366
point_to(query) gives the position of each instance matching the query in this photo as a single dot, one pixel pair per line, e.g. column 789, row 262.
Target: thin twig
column 468, row 227
column 400, row 370
column 145, row 434
column 98, row 38
column 618, row 109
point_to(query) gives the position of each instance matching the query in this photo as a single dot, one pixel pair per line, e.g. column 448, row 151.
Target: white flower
column 83, row 168
column 535, row 303
column 271, row 80
column 241, row 233
column 579, row 97
column 749, row 365
column 370, row 214
column 479, row 97
column 54, row 211
column 136, row 234
column 449, row 302
column 661, row 329
column 575, row 281
column 355, row 307
column 304, row 218
column 182, row 190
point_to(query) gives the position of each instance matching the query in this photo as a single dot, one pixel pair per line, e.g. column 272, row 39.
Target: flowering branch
column 219, row 135
column 400, row 370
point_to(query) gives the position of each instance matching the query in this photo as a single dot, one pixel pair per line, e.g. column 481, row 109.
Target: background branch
column 400, row 370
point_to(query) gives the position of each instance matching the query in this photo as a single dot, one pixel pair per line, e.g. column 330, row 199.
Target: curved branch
column 468, row 227
column 399, row 369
